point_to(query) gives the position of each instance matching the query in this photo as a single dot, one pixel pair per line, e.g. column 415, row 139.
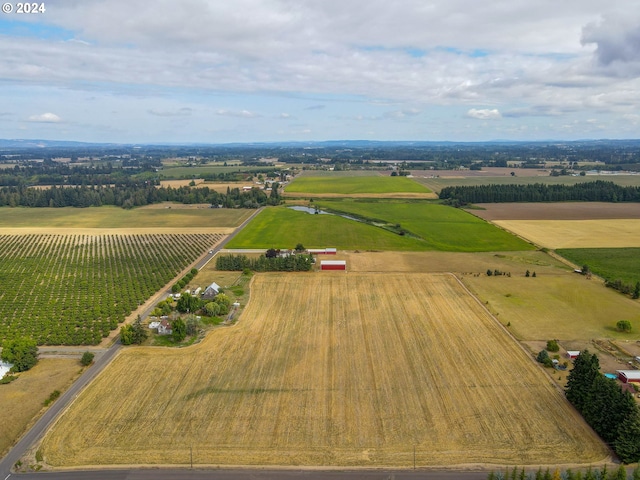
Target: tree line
column 290, row 263
column 609, row 410
column 598, row 191
column 131, row 195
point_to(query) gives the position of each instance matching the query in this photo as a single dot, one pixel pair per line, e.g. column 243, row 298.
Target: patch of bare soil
column 557, row 211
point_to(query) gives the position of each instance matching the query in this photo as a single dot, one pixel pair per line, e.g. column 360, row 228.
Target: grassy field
column 608, row 263
column 441, row 227
column 437, row 184
column 615, row 233
column 282, row 227
column 22, row 399
column 168, row 219
column 356, row 381
column 354, row 185
column 436, row 227
column 557, row 303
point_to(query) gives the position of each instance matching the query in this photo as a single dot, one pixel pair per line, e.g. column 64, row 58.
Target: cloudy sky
column 278, row 70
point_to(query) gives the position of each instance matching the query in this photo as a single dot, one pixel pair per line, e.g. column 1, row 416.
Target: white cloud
column 484, row 113
column 45, row 118
column 237, row 113
column 180, row 112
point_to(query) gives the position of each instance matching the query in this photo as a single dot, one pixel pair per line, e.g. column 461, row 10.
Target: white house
column 164, row 328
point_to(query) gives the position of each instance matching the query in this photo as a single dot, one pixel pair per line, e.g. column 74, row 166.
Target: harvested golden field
column 331, row 369
column 22, row 399
column 577, row 233
column 457, row 262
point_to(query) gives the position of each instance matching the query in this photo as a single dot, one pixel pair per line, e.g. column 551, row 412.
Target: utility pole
column 414, row 457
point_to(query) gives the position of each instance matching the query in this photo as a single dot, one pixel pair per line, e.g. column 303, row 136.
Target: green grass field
column 441, row 227
column 281, row 227
column 608, row 263
column 355, row 185
column 437, row 227
column 115, row 217
column 437, row 184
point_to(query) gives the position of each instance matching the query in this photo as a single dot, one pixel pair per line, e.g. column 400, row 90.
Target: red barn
column 333, row 265
column 629, row 376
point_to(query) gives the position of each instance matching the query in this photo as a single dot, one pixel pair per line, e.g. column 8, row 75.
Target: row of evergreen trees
column 291, row 263
column 598, row 191
column 609, row 410
column 133, row 195
column 590, row 474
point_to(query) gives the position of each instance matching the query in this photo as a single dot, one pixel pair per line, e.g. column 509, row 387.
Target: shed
column 211, row 291
column 573, row 353
column 333, row 265
column 629, row 376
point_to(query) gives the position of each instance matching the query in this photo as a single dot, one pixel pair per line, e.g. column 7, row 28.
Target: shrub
column 87, row 359
column 542, row 356
column 7, row 379
column 52, row 398
column 624, row 325
column 552, row 346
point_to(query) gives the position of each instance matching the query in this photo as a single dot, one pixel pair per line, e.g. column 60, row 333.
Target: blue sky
column 280, row 70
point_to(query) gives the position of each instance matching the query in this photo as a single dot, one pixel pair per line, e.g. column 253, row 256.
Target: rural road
column 250, row 474
column 101, row 361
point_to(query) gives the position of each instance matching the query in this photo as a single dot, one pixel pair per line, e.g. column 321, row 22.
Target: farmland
column 284, row 228
column 22, row 399
column 161, row 218
column 556, row 211
column 608, row 263
column 354, row 185
column 434, row 227
column 357, row 381
column 75, row 289
column 441, row 227
column 614, row 233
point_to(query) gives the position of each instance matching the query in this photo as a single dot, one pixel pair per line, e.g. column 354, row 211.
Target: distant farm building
column 629, row 376
column 322, row 251
column 165, row 328
column 211, row 291
column 333, row 265
column 573, row 353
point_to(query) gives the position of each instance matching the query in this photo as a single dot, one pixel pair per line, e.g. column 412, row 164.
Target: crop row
column 75, row 289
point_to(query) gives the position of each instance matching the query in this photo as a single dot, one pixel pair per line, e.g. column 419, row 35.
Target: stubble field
column 393, row 361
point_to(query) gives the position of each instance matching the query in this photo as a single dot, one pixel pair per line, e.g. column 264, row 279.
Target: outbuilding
column 573, row 354
column 333, row 265
column 629, row 376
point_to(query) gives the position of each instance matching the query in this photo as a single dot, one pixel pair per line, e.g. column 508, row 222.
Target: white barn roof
column 630, row 374
column 333, row 262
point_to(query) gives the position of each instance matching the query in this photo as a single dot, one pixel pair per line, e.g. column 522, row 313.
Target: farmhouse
column 164, row 328
column 629, row 376
column 211, row 291
column 333, row 265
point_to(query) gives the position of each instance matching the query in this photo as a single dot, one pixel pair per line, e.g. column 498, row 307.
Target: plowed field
column 331, row 369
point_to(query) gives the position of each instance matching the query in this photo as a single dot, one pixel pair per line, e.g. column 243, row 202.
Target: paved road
column 252, row 474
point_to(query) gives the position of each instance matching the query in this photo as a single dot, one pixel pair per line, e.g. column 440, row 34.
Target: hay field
column 22, row 399
column 613, row 233
column 392, row 362
column 108, row 219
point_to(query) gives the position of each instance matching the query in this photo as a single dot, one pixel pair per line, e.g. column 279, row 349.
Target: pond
column 314, row 211
column 298, row 208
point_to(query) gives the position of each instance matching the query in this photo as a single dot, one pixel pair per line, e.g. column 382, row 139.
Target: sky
column 220, row 71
